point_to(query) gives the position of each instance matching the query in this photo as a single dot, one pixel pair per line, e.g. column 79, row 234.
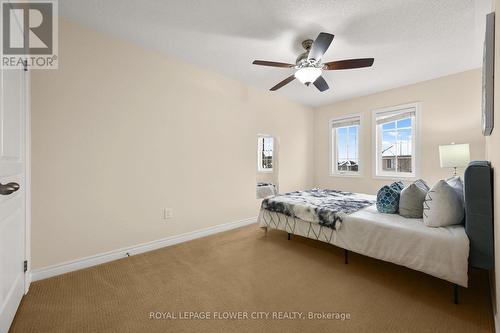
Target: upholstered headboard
column 478, row 190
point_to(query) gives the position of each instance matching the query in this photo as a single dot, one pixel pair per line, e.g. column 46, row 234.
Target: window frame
column 378, row 173
column 259, row 154
column 334, row 172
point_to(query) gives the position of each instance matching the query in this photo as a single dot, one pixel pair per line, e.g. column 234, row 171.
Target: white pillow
column 458, row 186
column 442, row 206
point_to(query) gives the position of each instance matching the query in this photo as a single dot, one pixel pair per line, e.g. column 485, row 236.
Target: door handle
column 6, row 189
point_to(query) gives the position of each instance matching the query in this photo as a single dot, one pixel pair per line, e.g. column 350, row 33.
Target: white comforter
column 441, row 252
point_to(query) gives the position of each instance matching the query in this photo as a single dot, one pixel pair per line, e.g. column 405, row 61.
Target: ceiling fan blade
column 284, row 82
column 272, row 64
column 321, row 84
column 320, row 45
column 348, row 64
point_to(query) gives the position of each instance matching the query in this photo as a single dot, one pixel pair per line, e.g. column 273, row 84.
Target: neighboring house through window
column 345, row 146
column 395, row 145
column 265, row 149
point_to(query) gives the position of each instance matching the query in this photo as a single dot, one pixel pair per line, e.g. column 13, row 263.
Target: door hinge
column 25, row 266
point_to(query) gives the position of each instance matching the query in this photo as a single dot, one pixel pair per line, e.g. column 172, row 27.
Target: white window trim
column 333, row 147
column 415, row 141
column 259, row 158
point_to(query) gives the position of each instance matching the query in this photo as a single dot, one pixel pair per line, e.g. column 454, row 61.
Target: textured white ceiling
column 411, row 40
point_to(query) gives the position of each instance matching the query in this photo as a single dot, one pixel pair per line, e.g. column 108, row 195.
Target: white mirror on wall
column 267, row 166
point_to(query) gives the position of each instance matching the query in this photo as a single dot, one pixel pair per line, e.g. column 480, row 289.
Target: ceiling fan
column 309, row 66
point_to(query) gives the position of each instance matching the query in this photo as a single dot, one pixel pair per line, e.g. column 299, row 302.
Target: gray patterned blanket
column 326, row 207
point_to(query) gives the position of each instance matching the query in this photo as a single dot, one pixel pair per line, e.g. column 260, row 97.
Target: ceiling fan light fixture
column 308, row 74
column 309, row 64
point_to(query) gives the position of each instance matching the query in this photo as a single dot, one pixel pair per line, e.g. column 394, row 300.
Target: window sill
column 346, row 175
column 395, row 177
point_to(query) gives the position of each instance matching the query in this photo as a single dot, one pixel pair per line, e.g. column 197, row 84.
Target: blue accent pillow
column 388, row 198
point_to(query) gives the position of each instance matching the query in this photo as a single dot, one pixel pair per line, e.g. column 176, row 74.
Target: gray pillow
column 442, row 206
column 411, row 202
column 422, row 184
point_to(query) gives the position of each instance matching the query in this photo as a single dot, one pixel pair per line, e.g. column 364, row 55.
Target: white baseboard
column 74, row 265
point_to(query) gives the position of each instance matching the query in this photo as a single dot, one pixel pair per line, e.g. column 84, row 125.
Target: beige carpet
column 242, row 270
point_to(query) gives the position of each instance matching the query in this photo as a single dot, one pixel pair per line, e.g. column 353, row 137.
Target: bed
column 444, row 252
column 441, row 252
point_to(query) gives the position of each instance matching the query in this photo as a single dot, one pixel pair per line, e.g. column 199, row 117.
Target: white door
column 13, row 104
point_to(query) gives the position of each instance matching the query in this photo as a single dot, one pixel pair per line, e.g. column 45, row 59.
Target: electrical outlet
column 167, row 213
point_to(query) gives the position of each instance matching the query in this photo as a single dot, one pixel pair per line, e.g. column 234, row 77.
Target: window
column 395, row 148
column 265, row 148
column 345, row 146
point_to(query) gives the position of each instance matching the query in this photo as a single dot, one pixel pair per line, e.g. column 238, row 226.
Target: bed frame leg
column 455, row 293
column 265, row 231
column 346, row 253
column 288, row 236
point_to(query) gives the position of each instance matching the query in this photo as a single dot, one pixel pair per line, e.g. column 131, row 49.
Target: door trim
column 27, row 178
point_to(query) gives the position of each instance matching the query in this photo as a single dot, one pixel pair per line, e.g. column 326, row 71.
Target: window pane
column 404, row 140
column 347, row 148
column 395, row 152
column 404, row 123
column 389, row 136
column 389, row 146
column 404, row 163
column 388, row 156
column 405, row 150
column 342, row 143
column 388, row 163
column 388, row 126
column 342, row 131
column 352, row 150
column 266, row 147
column 341, row 148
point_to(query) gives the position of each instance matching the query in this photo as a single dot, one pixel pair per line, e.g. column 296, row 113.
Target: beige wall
column 450, row 112
column 493, row 155
column 119, row 132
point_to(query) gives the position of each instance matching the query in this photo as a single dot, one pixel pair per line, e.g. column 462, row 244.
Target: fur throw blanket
column 325, row 207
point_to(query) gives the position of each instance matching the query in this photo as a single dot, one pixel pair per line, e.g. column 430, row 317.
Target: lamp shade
column 308, row 74
column 454, row 156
